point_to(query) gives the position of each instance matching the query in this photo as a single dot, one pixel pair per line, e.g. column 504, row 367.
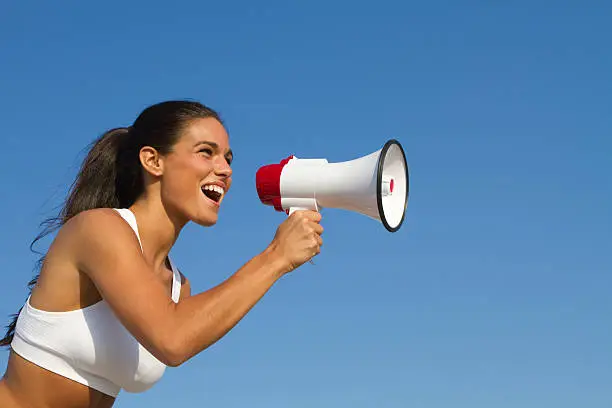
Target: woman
column 109, row 310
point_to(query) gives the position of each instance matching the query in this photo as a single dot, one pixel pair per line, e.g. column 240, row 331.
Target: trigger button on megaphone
column 388, row 184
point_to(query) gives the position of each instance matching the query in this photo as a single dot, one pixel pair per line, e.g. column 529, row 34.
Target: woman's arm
column 108, row 252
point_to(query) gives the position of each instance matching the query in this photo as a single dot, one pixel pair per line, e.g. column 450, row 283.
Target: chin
column 206, row 218
column 205, row 222
column 202, row 212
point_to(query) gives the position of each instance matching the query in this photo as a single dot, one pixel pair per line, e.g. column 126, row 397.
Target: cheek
column 188, row 168
column 180, row 178
column 176, row 178
column 201, row 168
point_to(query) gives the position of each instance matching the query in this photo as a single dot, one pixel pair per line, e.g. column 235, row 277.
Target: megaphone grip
column 294, row 209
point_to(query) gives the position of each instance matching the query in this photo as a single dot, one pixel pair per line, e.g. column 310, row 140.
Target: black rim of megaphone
column 381, row 166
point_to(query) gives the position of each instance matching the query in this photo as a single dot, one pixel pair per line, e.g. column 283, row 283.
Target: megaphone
column 375, row 185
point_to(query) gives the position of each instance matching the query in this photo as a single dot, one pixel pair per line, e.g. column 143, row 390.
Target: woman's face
column 197, row 173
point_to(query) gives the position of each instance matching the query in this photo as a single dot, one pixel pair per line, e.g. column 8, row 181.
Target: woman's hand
column 298, row 238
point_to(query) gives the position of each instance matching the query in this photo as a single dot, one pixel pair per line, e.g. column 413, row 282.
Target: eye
column 208, row 151
column 229, row 159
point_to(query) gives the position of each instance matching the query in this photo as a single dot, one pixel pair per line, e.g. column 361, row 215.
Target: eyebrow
column 214, row 145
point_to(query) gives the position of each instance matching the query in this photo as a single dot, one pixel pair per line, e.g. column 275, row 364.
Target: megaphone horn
column 375, row 185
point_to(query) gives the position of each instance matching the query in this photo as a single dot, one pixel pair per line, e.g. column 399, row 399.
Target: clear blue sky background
column 495, row 292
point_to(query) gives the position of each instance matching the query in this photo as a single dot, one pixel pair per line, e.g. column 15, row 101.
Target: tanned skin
column 96, row 256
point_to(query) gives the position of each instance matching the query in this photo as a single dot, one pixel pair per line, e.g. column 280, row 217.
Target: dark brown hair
column 111, row 176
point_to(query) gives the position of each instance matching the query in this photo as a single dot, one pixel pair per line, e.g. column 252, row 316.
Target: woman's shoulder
column 99, row 225
column 99, row 219
column 95, row 215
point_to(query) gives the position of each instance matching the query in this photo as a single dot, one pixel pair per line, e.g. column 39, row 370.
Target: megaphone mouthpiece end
column 267, row 183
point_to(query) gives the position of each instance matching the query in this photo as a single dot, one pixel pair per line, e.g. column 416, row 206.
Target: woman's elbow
column 172, row 354
column 177, row 351
column 173, row 361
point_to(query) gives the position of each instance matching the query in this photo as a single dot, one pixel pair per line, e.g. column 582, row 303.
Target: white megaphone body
column 375, row 185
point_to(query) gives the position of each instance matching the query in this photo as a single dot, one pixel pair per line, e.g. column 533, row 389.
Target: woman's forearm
column 202, row 319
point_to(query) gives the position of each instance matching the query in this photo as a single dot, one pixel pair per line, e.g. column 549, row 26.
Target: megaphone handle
column 291, row 211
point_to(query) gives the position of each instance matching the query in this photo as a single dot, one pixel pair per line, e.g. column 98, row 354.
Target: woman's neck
column 158, row 232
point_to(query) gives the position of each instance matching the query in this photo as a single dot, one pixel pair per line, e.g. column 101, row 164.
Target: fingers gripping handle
column 291, row 210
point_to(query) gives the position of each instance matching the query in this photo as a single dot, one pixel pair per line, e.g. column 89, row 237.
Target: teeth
column 215, row 188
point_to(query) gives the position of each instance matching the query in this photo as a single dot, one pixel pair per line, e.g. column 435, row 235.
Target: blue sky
column 495, row 292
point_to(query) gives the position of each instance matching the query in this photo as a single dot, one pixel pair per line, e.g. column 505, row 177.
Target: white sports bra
column 90, row 345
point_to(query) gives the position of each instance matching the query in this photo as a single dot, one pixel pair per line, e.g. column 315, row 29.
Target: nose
column 222, row 168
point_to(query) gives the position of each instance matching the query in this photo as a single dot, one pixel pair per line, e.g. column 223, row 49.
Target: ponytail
column 94, row 187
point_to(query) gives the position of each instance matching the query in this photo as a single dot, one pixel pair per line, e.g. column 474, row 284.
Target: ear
column 152, row 161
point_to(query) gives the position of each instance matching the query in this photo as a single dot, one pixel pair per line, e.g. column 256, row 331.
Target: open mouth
column 213, row 192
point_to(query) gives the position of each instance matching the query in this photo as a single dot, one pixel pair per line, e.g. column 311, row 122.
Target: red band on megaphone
column 267, row 181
